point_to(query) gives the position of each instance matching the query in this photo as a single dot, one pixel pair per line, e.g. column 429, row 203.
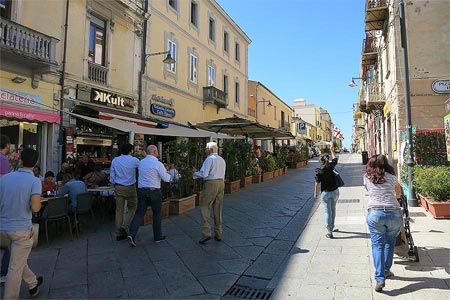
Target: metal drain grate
column 348, row 201
column 244, row 292
column 417, row 214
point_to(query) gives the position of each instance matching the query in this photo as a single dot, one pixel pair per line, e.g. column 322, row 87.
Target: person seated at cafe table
column 73, row 187
column 37, row 173
column 48, row 185
column 96, row 177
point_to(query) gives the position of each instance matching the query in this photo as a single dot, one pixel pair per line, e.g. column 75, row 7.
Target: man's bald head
column 152, row 150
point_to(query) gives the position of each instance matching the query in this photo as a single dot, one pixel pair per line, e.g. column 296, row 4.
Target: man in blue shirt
column 213, row 174
column 123, row 176
column 151, row 172
column 73, row 187
column 20, row 195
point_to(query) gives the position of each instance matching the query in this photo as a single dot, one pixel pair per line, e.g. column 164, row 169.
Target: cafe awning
column 171, row 130
column 242, row 127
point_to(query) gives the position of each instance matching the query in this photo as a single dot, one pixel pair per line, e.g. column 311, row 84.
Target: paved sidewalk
column 342, row 268
column 273, row 241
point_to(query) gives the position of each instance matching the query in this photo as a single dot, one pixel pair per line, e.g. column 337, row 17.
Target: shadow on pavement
column 354, row 235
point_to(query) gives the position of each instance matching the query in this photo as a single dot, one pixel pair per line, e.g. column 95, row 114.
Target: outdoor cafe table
column 101, row 189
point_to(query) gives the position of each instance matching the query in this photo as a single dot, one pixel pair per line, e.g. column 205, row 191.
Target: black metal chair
column 84, row 206
column 55, row 211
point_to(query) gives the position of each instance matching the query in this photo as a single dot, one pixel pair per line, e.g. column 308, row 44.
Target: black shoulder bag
column 337, row 179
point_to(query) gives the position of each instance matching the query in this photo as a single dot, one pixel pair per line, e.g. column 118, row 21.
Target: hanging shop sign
column 106, row 98
column 163, row 100
column 441, row 86
column 163, row 111
column 16, row 97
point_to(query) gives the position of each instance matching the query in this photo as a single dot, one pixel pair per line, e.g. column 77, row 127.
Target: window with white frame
column 173, row 4
column 237, row 51
column 211, row 76
column 212, row 29
column 237, row 92
column 172, row 47
column 97, row 39
column 226, row 41
column 193, row 65
column 194, row 13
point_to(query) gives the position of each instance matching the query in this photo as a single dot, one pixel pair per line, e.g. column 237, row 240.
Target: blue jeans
column 384, row 225
column 147, row 197
column 329, row 200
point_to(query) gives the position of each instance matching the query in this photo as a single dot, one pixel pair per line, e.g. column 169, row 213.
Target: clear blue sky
column 305, row 49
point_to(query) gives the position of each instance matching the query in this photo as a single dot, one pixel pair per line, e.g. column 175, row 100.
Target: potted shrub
column 281, row 160
column 255, row 170
column 433, row 186
column 231, row 153
column 186, row 155
column 267, row 165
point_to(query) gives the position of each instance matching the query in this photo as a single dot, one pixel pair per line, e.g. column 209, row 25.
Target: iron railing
column 27, row 41
column 97, row 73
column 375, row 3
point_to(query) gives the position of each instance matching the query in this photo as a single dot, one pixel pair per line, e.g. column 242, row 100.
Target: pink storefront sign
column 29, row 114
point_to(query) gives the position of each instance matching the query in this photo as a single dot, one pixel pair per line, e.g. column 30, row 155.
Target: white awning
column 171, row 130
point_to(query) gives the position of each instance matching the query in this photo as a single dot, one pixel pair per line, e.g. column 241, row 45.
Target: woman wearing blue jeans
column 384, row 216
column 329, row 190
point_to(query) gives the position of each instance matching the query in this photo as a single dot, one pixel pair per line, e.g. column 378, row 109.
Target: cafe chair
column 56, row 211
column 84, row 206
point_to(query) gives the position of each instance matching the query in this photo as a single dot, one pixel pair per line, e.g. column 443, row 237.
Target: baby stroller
column 404, row 245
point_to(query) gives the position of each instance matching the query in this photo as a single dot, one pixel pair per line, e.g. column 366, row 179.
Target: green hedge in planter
column 267, row 163
column 429, row 148
column 433, row 181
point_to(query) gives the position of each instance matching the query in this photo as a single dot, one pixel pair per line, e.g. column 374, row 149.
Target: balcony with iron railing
column 373, row 97
column 212, row 95
column 369, row 53
column 97, row 73
column 377, row 12
column 28, row 47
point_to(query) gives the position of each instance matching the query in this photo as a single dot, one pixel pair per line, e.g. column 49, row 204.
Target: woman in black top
column 329, row 190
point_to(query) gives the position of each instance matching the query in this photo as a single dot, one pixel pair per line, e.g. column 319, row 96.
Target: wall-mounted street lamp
column 353, row 83
column 264, row 101
column 168, row 60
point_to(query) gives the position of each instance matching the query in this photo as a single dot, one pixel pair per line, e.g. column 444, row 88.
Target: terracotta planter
column 246, row 181
column 275, row 173
column 179, row 206
column 280, row 171
column 285, row 169
column 256, row 178
column 198, row 197
column 148, row 217
column 423, row 202
column 267, row 175
column 232, row 186
column 439, row 210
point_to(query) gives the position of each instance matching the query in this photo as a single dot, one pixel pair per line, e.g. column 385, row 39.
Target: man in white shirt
column 123, row 176
column 151, row 172
column 213, row 174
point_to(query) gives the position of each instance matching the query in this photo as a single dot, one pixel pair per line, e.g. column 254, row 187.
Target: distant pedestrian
column 123, row 177
column 384, row 216
column 5, row 146
column 20, row 196
column 64, row 169
column 151, row 173
column 213, row 174
column 329, row 190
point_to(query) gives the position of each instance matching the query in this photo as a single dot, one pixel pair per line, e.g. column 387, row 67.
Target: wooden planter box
column 285, row 169
column 280, row 171
column 439, row 210
column 295, row 165
column 267, row 175
column 179, row 206
column 275, row 173
column 246, row 181
column 256, row 178
column 232, row 186
column 198, row 198
column 148, row 217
